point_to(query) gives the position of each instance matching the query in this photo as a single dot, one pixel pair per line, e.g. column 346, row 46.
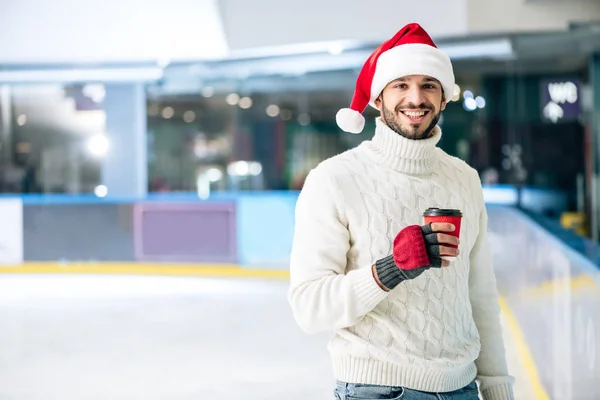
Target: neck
column 410, row 156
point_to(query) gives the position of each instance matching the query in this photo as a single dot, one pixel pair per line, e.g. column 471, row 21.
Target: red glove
column 416, row 249
column 410, row 251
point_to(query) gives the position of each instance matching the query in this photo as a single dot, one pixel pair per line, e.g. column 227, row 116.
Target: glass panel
column 53, row 138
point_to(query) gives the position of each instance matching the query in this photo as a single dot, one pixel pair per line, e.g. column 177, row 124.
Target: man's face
column 411, row 105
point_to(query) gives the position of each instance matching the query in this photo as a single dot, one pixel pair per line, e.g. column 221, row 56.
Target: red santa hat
column 410, row 52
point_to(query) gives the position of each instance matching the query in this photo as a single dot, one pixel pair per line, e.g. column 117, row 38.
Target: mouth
column 415, row 116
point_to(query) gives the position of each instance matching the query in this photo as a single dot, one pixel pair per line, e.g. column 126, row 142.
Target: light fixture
column 96, row 92
column 98, row 145
column 189, row 116
column 272, row 110
column 232, row 99
column 214, row 174
column 244, row 168
column 168, row 112
column 470, row 104
column 335, row 49
column 254, row 168
column 81, row 75
column 21, row 119
column 101, row 191
column 497, row 48
column 480, row 101
column 245, row 102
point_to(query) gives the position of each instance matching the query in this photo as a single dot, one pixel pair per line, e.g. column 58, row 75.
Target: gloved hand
column 416, row 249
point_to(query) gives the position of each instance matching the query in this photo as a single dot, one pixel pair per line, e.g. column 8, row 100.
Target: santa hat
column 410, row 52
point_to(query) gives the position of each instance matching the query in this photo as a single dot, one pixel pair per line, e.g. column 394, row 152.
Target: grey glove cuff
column 390, row 275
column 388, row 272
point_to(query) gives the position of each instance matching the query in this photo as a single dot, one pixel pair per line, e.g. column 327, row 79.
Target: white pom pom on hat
column 410, row 52
column 350, row 120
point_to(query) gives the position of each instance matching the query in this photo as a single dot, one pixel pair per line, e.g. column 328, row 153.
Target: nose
column 414, row 96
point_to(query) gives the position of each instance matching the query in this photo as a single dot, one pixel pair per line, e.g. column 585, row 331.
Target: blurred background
column 151, row 153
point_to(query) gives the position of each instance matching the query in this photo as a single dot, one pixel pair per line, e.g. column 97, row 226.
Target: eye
column 401, row 86
column 429, row 86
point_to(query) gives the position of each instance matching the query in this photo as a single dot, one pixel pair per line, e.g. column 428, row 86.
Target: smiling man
column 417, row 102
column 406, row 323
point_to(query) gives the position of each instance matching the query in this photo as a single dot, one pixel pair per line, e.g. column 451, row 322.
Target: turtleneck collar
column 409, row 156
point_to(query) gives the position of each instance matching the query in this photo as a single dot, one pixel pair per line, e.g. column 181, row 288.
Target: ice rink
column 80, row 337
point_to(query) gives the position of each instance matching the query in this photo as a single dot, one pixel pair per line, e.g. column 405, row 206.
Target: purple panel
column 202, row 232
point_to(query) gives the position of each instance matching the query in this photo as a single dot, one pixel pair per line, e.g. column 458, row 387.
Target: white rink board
column 11, row 231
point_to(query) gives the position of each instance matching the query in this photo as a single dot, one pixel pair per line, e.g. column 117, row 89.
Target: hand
column 416, row 249
column 438, row 242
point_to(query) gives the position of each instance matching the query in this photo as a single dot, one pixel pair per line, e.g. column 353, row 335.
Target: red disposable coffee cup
column 452, row 216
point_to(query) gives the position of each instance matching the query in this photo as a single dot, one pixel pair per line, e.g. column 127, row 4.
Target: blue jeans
column 352, row 391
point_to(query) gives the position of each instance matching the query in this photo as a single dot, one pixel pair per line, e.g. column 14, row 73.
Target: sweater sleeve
column 322, row 294
column 492, row 371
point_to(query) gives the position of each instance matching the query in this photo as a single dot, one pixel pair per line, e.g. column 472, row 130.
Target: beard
column 410, row 131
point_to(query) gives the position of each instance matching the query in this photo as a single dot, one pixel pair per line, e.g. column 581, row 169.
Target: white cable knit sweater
column 435, row 333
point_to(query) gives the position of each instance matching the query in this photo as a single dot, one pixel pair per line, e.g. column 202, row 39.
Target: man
column 406, row 323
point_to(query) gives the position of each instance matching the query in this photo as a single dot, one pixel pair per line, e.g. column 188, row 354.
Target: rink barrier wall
column 251, row 229
column 549, row 280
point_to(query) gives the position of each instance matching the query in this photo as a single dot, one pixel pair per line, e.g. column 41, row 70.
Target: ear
column 378, row 102
column 443, row 105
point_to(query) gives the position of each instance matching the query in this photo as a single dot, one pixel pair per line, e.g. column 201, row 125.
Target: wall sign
column 561, row 100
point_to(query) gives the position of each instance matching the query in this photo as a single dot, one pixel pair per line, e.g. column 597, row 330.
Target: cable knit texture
column 433, row 333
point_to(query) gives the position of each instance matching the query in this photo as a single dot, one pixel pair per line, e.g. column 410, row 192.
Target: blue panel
column 541, row 201
column 266, row 228
column 125, row 165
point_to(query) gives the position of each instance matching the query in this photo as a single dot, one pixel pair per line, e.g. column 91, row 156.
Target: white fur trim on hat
column 412, row 59
column 350, row 120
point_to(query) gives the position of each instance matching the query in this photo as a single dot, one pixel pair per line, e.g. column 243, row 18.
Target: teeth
column 414, row 114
